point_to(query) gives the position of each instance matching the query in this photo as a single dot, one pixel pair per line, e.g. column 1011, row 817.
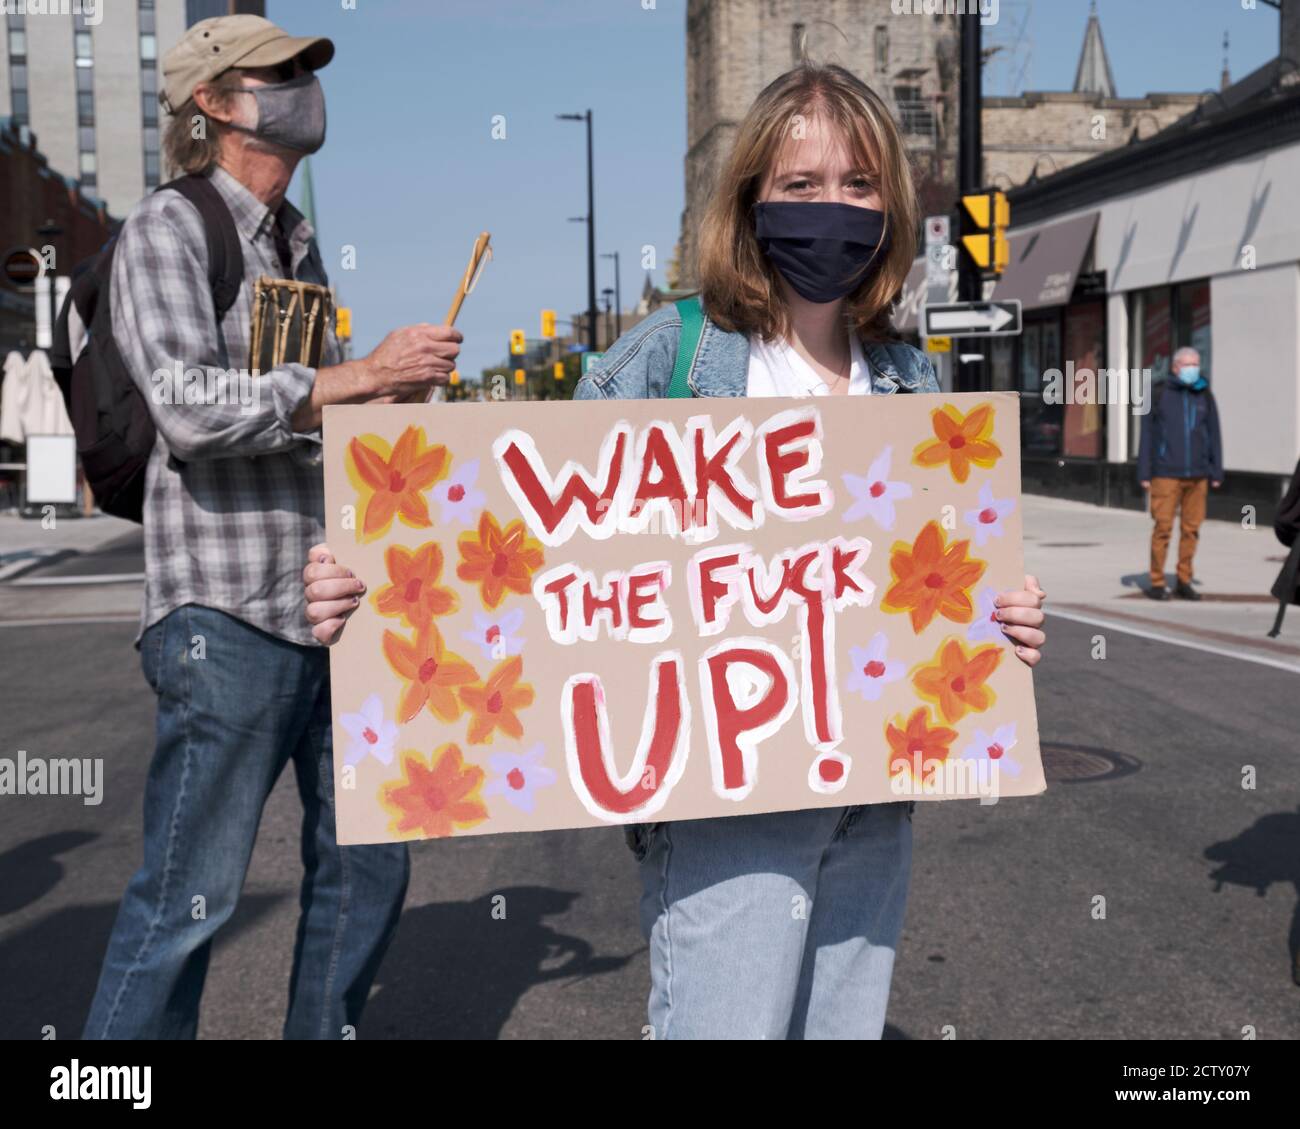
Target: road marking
column 1096, row 621
column 102, row 578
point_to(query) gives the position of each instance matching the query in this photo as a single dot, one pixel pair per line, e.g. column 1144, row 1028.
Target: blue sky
column 411, row 173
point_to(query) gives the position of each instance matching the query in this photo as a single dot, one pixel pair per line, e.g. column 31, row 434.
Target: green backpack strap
column 692, row 329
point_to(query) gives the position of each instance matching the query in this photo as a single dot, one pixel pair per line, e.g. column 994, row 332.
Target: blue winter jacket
column 1180, row 434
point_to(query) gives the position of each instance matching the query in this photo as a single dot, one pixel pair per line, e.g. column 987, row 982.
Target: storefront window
column 1194, row 320
column 1040, row 422
column 1085, row 346
column 1002, row 362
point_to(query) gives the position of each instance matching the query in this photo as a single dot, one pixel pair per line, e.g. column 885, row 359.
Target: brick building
column 36, row 197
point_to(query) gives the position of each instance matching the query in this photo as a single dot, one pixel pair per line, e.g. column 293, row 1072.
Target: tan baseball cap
column 213, row 46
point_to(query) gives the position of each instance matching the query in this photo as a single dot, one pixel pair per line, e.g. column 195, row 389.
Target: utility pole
column 618, row 294
column 591, row 230
column 970, row 175
column 970, row 143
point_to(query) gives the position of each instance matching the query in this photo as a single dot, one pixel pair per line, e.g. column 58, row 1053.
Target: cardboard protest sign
column 606, row 612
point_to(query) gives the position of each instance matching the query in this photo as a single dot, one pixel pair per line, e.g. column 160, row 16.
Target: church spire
column 1093, row 75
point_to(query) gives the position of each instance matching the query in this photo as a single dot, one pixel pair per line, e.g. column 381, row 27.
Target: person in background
column 1181, row 456
column 234, row 497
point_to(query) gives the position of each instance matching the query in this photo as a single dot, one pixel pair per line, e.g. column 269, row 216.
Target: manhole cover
column 1071, row 764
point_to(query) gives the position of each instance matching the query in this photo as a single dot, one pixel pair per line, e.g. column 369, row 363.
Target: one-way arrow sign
column 973, row 319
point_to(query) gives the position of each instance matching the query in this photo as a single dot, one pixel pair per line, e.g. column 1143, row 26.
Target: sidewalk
column 1092, row 562
column 80, row 569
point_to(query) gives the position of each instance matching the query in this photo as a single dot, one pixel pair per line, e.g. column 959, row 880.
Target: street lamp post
column 618, row 293
column 608, row 295
column 591, row 230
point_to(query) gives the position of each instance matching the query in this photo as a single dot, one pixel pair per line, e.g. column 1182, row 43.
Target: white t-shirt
column 776, row 369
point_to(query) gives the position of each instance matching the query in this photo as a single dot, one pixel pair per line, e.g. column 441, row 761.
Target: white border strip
column 1210, row 648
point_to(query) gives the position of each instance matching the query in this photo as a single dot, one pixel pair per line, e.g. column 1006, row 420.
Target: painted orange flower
column 917, row 738
column 499, row 561
column 959, row 441
column 493, row 704
column 432, row 673
column 955, row 680
column 932, row 578
column 436, row 796
column 392, row 484
column 414, row 592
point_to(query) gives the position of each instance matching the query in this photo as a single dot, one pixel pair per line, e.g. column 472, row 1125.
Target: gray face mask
column 290, row 113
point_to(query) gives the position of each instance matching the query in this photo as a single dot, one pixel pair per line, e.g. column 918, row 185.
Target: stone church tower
column 736, row 47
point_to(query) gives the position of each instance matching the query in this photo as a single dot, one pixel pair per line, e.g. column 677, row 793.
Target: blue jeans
column 774, row 926
column 234, row 705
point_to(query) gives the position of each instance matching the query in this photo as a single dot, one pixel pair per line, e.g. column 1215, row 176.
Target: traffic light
column 559, row 370
column 520, row 376
column 343, row 322
column 455, row 376
column 984, row 231
column 518, row 346
column 548, row 324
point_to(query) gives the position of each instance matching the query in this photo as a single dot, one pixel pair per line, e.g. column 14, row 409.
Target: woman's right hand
column 333, row 594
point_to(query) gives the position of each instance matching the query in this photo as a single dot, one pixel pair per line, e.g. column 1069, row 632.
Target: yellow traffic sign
column 938, row 344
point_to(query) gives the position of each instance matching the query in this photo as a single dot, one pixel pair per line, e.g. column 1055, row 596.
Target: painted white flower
column 874, row 496
column 495, row 635
column 459, row 498
column 986, row 521
column 985, row 627
column 872, row 670
column 517, row 776
column 995, row 749
column 370, row 735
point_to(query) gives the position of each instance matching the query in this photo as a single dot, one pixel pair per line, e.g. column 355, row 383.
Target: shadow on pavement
column 49, row 969
column 456, row 972
column 1265, row 854
column 30, row 871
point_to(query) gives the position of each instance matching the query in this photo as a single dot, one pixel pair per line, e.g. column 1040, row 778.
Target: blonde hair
column 738, row 285
column 186, row 153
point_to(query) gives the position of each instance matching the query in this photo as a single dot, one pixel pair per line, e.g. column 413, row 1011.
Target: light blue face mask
column 1189, row 374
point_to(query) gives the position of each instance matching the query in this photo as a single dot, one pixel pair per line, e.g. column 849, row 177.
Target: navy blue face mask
column 824, row 251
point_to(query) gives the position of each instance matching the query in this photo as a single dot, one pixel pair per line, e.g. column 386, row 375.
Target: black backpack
column 115, row 432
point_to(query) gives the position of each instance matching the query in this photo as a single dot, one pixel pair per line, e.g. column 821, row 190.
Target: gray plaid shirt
column 234, row 497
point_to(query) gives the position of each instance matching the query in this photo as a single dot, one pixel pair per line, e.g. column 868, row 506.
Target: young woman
column 779, row 925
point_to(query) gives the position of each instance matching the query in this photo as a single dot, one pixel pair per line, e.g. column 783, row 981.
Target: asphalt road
column 1200, row 876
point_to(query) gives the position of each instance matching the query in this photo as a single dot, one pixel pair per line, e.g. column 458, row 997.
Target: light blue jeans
column 774, row 926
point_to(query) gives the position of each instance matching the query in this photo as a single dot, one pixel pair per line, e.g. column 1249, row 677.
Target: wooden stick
column 481, row 247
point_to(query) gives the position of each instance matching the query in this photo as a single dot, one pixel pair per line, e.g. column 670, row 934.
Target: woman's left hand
column 1021, row 616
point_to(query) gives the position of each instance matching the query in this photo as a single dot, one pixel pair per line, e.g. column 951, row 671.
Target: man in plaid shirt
column 233, row 500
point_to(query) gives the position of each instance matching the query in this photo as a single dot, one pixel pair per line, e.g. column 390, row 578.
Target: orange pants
column 1168, row 496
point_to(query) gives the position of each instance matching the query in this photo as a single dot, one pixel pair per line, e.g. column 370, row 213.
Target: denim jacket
column 639, row 365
